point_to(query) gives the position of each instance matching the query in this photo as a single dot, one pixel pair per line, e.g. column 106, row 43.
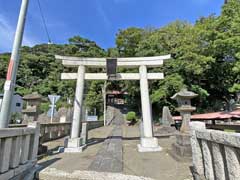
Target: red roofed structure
column 213, row 116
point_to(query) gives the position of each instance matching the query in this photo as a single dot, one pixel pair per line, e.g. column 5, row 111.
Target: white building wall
column 17, row 103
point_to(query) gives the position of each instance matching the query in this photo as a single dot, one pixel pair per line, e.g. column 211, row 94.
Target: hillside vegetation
column 205, row 59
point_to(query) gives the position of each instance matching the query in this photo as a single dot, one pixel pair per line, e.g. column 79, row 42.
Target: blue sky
column 98, row 20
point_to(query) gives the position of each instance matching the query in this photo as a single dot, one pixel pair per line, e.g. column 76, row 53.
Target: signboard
column 53, row 98
column 111, row 68
column 92, row 118
column 52, row 111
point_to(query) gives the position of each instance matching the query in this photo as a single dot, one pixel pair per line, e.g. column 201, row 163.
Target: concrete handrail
column 215, row 153
column 52, row 131
column 94, row 124
column 49, row 131
column 18, row 150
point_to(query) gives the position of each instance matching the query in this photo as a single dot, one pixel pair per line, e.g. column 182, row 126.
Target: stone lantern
column 182, row 147
column 184, row 102
column 32, row 110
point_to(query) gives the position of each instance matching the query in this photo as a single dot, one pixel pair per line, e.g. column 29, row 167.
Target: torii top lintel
column 153, row 61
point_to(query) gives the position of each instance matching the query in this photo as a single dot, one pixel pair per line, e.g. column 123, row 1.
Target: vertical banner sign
column 10, row 69
column 111, row 68
column 8, row 85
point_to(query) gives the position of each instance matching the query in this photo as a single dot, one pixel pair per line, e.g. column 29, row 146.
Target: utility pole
column 9, row 86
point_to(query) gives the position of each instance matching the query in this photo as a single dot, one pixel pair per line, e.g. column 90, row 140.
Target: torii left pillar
column 74, row 143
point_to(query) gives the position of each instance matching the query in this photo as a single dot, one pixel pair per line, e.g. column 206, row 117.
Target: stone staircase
column 114, row 116
column 110, row 113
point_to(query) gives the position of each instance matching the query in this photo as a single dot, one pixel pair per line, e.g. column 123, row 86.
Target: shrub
column 44, row 107
column 131, row 116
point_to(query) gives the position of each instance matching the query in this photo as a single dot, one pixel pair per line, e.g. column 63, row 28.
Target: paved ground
column 114, row 149
column 110, row 157
column 79, row 161
column 157, row 165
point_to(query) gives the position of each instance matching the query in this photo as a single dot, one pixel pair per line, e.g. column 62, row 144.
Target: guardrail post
column 198, row 167
column 16, row 151
column 233, row 165
column 218, row 160
column 84, row 133
column 34, row 141
column 5, row 154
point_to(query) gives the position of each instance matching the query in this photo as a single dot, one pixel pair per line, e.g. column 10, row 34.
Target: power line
column 44, row 22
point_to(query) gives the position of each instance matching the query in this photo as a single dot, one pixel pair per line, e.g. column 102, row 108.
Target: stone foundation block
column 73, row 145
column 183, row 139
column 149, row 145
column 75, row 149
column 182, row 151
column 73, row 142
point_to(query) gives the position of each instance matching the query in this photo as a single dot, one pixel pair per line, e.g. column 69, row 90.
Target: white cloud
column 102, row 13
column 7, row 31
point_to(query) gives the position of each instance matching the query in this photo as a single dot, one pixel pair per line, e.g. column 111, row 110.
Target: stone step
column 54, row 174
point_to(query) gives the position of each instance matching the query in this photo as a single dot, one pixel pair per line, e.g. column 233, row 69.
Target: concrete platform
column 136, row 165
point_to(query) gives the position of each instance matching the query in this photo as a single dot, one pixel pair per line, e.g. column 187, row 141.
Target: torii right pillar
column 148, row 143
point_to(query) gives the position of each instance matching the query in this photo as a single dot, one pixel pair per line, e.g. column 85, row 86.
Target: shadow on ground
column 47, row 163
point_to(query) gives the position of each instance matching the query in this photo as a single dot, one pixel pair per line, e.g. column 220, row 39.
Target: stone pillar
column 76, row 123
column 218, row 161
column 75, row 143
column 148, row 142
column 146, row 109
column 186, row 117
column 207, row 160
column 233, row 165
column 84, row 133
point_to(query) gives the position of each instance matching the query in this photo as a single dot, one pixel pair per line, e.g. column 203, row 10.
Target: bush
column 44, row 107
column 15, row 117
column 131, row 116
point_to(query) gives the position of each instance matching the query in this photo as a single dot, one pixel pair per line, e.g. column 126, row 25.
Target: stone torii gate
column 148, row 142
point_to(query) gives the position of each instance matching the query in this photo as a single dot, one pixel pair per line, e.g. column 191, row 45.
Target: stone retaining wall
column 18, row 151
column 94, row 124
column 215, row 153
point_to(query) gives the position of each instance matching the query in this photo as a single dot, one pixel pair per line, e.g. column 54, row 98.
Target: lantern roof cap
column 184, row 94
column 33, row 96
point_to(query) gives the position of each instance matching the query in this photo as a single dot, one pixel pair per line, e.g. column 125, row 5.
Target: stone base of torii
column 148, row 143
